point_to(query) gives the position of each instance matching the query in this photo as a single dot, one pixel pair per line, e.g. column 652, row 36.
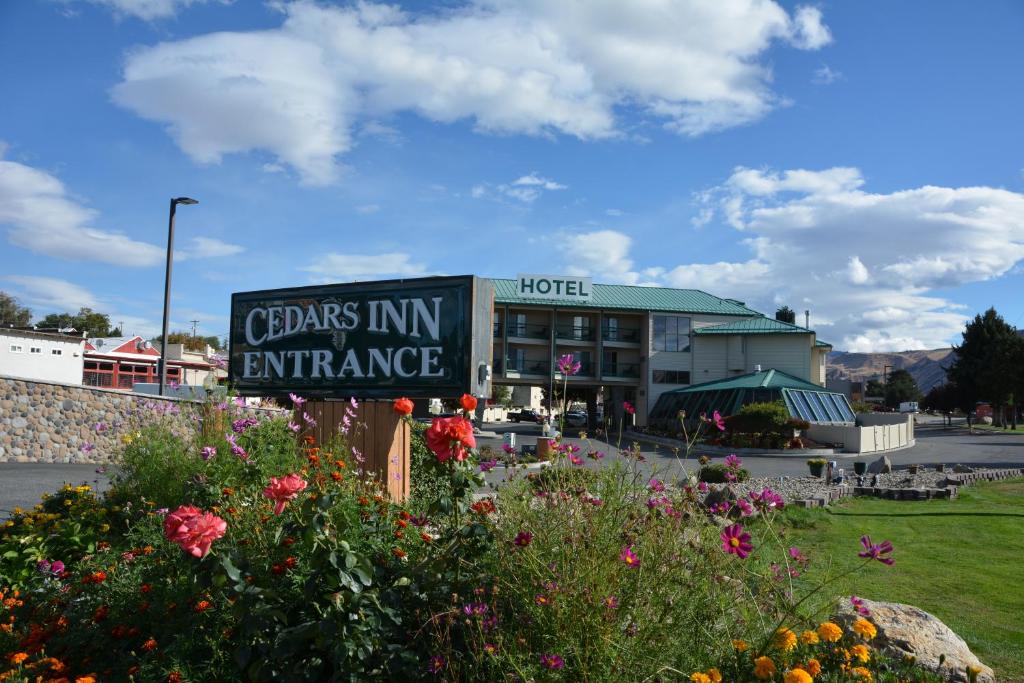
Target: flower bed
column 251, row 553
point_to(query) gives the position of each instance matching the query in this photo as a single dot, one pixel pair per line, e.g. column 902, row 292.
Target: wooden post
column 376, row 432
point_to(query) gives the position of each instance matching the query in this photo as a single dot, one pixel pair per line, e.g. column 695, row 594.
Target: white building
column 46, row 356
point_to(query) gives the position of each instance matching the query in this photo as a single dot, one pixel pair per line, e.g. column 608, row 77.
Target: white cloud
column 208, row 247
column 42, row 217
column 825, row 75
column 867, row 262
column 527, row 67
column 602, row 254
column 367, row 209
column 526, row 189
column 334, row 267
column 148, row 10
column 51, row 293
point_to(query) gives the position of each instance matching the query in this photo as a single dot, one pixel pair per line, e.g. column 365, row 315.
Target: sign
column 554, row 287
column 425, row 337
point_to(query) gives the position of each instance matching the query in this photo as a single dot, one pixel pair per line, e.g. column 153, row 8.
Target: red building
column 118, row 363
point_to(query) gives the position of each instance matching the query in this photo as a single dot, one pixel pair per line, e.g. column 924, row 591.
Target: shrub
column 797, row 423
column 714, row 473
column 817, row 462
column 758, row 418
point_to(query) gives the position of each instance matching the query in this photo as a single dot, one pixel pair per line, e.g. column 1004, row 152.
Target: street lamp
column 167, row 286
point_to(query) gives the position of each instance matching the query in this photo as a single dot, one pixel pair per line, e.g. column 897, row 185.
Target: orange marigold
column 740, row 645
column 19, row 657
column 784, row 639
column 829, row 632
column 809, row 638
column 813, row 667
column 861, row 652
column 865, row 629
column 797, row 676
column 715, row 675
column 700, row 677
column 764, row 668
column 861, row 672
column 149, row 645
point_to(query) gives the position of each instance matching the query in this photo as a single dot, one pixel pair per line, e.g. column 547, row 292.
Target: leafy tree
column 86, row 320
column 942, row 397
column 191, row 343
column 874, row 388
column 900, row 387
column 502, row 395
column 12, row 313
column 988, row 363
column 786, row 315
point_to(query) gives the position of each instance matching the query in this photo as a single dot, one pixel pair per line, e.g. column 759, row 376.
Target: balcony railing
column 529, row 330
column 621, row 334
column 497, row 330
column 586, row 369
column 625, row 370
column 91, row 378
column 526, row 366
column 574, row 332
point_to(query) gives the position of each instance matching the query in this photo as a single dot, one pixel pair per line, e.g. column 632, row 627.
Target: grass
column 992, row 428
column 962, row 561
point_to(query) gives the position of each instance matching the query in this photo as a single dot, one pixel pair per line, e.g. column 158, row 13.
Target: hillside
column 926, row 367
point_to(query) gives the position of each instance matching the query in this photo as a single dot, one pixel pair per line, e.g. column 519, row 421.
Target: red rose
column 403, row 406
column 468, row 402
column 449, row 437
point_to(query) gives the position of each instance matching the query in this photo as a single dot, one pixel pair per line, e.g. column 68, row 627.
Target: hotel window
column 34, row 349
column 17, row 348
column 671, row 333
column 56, row 352
column 671, row 377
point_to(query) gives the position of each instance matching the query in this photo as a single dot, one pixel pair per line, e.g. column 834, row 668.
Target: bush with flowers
column 248, row 552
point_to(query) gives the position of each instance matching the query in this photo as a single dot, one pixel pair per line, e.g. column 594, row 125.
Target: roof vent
column 757, row 368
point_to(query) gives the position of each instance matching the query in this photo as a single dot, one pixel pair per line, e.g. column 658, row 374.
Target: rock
column 962, row 469
column 881, row 466
column 905, row 630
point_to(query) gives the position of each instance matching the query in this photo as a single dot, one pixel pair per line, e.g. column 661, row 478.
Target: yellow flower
column 698, row 677
column 829, row 632
column 104, row 528
column 809, row 638
column 740, row 645
column 861, row 672
column 67, row 502
column 784, row 639
column 861, row 652
column 716, row 676
column 865, row 629
column 813, row 667
column 797, row 676
column 764, row 668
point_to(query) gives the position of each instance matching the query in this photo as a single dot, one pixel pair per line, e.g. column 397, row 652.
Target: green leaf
column 230, row 569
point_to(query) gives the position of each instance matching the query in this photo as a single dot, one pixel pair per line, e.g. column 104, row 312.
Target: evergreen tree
column 900, row 387
column 786, row 315
column 988, row 363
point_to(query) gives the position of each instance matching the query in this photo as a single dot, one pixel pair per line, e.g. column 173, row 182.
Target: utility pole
column 194, row 323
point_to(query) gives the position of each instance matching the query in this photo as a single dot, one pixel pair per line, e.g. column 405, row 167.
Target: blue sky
column 864, row 161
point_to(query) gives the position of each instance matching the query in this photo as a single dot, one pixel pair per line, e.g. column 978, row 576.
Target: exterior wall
column 46, row 365
column 818, row 363
column 790, row 353
column 868, row 439
column 51, row 422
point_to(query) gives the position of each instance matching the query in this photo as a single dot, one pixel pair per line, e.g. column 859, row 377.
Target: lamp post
column 167, row 286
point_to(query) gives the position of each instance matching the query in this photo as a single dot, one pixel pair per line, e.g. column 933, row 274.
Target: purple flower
column 488, row 465
column 611, row 602
column 239, row 426
column 436, row 664
column 629, row 557
column 552, row 661
column 702, row 486
column 568, row 365
column 767, row 499
column 873, row 551
column 208, row 452
column 222, row 406
column 240, row 401
column 309, row 420
column 797, row 556
column 294, row 427
column 656, row 485
column 746, row 509
column 523, row 539
column 87, row 447
column 595, row 455
column 297, row 401
column 57, row 567
column 736, row 541
column 508, row 449
column 43, row 566
column 100, row 427
column 858, row 605
column 162, row 511
column 219, row 361
column 354, row 403
column 240, row 452
column 575, row 460
column 717, row 420
column 732, row 461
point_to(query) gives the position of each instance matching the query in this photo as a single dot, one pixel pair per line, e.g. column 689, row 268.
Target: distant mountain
column 928, row 368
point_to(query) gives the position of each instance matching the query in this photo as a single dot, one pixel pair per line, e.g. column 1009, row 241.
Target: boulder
column 905, row 630
column 962, row 469
column 881, row 466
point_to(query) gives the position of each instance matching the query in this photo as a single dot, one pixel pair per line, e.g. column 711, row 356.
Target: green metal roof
column 822, row 345
column 759, row 325
column 630, row 297
column 766, row 379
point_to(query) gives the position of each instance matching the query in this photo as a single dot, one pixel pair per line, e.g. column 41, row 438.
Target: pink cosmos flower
column 57, row 567
column 656, row 485
column 766, row 499
column 309, row 419
column 873, row 551
column 100, row 427
column 857, row 603
column 716, row 419
column 628, row 407
column 568, row 365
column 208, row 452
column 293, row 427
column 436, row 664
column 746, row 509
column 595, row 455
column 297, row 401
column 551, row 661
column 736, row 541
column 523, row 539
column 87, row 447
column 488, row 465
column 193, row 529
column 575, row 460
column 284, row 489
column 629, row 557
column 702, row 486
column 611, row 602
column 733, row 462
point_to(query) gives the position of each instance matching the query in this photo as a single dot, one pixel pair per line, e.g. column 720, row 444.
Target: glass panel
column 659, row 333
column 683, row 330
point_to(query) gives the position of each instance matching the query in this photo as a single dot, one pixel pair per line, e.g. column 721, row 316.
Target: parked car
column 575, row 418
column 526, row 415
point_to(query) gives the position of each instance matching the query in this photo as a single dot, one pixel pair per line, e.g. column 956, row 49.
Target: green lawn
column 962, row 561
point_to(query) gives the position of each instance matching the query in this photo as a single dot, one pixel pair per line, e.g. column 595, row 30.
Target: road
column 22, row 484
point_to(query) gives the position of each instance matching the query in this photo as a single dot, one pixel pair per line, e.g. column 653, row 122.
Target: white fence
column 873, row 433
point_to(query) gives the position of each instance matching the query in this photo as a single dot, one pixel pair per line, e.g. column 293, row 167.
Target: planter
column 816, row 470
column 860, row 468
column 913, row 469
column 543, row 448
column 941, row 467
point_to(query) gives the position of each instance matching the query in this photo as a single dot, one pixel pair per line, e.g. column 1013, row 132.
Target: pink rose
column 193, row 529
column 283, row 489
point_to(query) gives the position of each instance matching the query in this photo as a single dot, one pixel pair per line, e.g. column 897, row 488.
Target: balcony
column 625, row 335
column 527, row 366
column 497, row 330
column 587, row 369
column 529, row 331
column 574, row 333
column 621, row 371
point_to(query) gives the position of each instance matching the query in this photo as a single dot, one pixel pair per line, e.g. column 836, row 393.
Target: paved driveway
column 22, row 484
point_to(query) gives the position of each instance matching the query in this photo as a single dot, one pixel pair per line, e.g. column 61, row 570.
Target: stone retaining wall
column 51, row 422
column 950, row 492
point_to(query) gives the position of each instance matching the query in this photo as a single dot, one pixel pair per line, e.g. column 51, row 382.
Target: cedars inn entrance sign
column 421, row 338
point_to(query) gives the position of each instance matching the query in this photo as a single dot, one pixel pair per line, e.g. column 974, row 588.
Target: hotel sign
column 425, row 337
column 554, row 288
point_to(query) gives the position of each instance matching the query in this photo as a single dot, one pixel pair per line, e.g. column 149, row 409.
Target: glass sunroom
column 802, row 399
